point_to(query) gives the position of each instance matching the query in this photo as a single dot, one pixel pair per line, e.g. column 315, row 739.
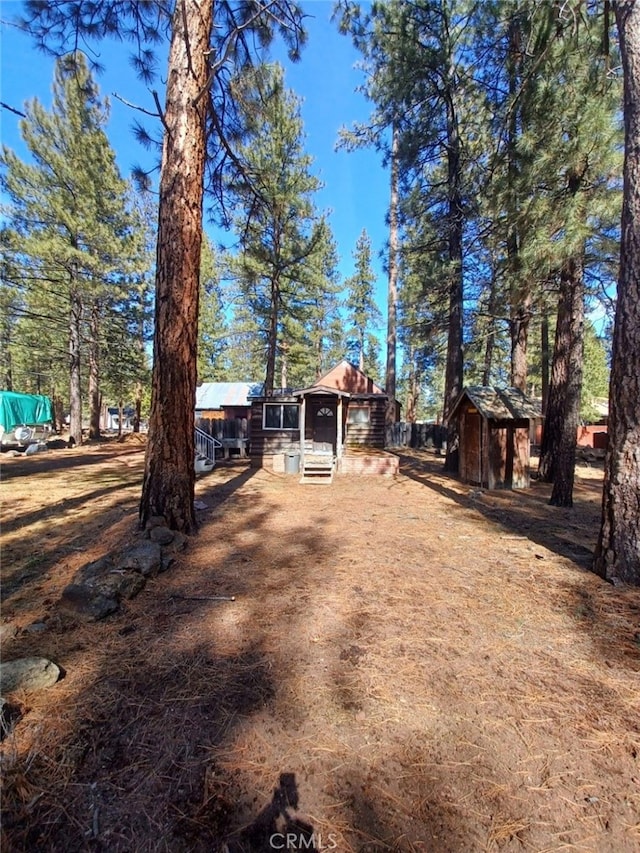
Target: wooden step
column 317, row 468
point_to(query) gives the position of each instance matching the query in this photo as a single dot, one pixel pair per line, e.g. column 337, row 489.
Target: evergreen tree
column 363, row 314
column 280, row 231
column 617, row 554
column 76, row 237
column 206, row 39
column 212, row 325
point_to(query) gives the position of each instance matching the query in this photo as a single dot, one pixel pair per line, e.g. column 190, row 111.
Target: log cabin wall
column 369, row 434
column 267, row 443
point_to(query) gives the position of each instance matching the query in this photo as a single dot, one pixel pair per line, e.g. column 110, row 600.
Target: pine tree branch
column 12, row 109
column 127, row 103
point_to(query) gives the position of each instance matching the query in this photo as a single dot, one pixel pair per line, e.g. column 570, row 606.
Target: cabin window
column 358, row 414
column 281, row 416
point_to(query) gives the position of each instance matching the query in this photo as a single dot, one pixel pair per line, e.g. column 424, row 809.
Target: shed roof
column 217, row 395
column 499, row 403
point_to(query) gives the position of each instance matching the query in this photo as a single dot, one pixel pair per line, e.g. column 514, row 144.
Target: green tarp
column 17, row 409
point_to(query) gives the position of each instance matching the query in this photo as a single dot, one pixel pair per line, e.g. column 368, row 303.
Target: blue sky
column 356, row 187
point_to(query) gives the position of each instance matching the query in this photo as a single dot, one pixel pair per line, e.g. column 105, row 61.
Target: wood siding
column 266, row 443
column 371, row 434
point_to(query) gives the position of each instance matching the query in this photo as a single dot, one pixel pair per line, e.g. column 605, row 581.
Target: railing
column 206, row 445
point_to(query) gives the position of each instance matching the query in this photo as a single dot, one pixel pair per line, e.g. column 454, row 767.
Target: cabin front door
column 324, row 425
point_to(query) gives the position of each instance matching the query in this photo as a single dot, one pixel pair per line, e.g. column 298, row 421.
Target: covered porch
column 323, row 413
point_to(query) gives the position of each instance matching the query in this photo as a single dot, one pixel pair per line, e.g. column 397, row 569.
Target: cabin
column 222, row 413
column 335, row 425
column 494, row 426
column 225, row 400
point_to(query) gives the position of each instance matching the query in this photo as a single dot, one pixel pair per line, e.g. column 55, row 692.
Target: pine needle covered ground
column 430, row 666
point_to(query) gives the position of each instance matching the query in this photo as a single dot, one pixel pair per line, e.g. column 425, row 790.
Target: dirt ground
column 415, row 665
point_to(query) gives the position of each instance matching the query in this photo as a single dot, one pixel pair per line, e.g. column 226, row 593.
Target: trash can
column 292, row 462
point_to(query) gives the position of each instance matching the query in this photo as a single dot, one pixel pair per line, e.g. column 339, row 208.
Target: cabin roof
column 321, row 389
column 217, row 395
column 499, row 404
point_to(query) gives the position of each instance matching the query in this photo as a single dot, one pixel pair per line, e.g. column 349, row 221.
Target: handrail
column 206, row 444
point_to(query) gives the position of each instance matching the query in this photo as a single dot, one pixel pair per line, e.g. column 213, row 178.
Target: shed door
column 472, row 448
column 324, row 426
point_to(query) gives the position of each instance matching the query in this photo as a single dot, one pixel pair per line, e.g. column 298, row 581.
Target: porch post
column 339, row 430
column 301, row 424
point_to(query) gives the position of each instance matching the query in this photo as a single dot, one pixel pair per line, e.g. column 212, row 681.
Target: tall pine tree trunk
column 520, row 319
column 75, row 383
column 455, row 217
column 169, row 479
column 94, row 374
column 572, row 291
column 272, row 337
column 392, row 302
column 559, row 435
column 618, row 550
column 413, row 390
column 519, row 295
column 544, row 357
column 491, row 332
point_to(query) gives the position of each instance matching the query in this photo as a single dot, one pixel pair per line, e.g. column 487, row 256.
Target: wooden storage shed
column 493, row 428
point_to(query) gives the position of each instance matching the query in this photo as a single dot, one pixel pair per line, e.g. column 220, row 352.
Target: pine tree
column 363, row 314
column 206, row 39
column 279, row 229
column 76, row 235
column 212, row 324
column 617, row 554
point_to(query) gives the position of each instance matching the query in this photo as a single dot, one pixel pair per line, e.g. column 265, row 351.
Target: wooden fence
column 416, row 435
column 218, row 428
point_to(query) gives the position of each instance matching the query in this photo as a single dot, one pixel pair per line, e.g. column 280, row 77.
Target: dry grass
column 434, row 665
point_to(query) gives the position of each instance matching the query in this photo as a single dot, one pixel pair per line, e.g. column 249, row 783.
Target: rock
column 98, row 587
column 80, row 602
column 27, row 674
column 167, row 562
column 8, row 631
column 36, row 627
column 161, row 535
column 144, row 557
column 180, row 541
column 156, row 521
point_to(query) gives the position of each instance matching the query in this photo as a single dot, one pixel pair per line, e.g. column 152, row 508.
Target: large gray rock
column 145, row 557
column 98, row 588
column 161, row 535
column 27, row 674
column 87, row 605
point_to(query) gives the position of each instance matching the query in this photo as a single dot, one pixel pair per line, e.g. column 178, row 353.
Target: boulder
column 161, row 535
column 27, row 674
column 145, row 557
column 98, row 587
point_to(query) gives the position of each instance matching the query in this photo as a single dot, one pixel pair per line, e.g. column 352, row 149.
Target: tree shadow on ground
column 607, row 615
column 60, row 460
column 128, row 760
column 566, row 532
